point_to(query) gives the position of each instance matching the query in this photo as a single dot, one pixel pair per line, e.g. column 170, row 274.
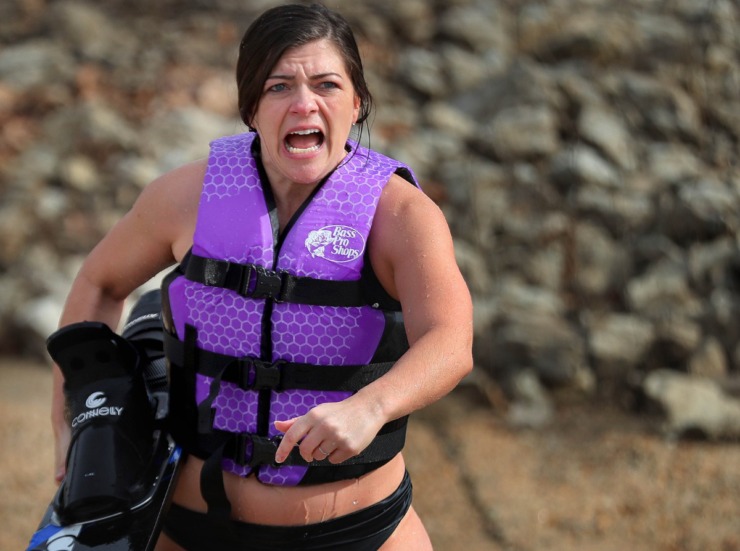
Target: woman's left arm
column 412, row 254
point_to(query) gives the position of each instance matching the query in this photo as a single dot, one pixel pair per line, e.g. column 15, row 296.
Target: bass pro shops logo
column 96, row 407
column 336, row 243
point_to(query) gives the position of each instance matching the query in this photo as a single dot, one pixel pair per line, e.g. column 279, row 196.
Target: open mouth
column 304, row 141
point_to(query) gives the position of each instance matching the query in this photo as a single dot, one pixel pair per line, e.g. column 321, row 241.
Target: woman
column 297, row 250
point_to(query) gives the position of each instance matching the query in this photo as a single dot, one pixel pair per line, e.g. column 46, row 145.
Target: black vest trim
column 250, row 280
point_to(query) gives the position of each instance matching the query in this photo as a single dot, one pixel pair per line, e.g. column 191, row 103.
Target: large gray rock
column 521, row 132
column 92, row 126
column 620, row 339
column 600, row 264
column 607, row 131
column 554, row 350
column 35, row 64
column 580, row 165
column 693, row 404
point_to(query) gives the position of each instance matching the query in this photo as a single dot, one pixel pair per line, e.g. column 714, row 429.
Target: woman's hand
column 337, row 431
column 59, row 425
column 62, row 437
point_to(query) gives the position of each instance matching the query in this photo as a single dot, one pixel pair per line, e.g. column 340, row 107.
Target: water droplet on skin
column 355, row 502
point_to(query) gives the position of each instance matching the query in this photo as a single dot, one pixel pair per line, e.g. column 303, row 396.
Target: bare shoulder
column 399, row 194
column 168, row 206
column 178, row 188
column 410, row 237
column 406, row 211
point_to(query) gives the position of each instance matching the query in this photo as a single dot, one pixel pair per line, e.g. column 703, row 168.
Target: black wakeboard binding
column 116, row 391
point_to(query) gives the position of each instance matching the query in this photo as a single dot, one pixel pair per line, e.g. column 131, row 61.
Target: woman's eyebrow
column 325, row 75
column 311, row 77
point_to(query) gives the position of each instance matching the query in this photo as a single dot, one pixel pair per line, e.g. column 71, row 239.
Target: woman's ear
column 356, row 110
column 245, row 120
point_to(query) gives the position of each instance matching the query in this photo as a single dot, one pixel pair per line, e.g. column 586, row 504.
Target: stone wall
column 585, row 153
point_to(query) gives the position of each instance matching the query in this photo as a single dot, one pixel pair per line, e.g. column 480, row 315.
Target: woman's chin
column 309, row 170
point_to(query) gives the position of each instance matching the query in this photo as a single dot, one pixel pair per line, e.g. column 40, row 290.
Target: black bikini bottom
column 364, row 530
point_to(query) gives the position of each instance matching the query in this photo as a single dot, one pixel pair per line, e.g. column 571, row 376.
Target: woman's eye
column 277, row 88
column 328, row 85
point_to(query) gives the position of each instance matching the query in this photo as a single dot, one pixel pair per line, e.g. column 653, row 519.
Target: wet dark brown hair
column 284, row 27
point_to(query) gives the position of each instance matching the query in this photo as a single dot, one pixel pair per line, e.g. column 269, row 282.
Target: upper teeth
column 305, row 132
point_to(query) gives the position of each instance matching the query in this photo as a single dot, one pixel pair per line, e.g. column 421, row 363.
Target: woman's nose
column 304, row 101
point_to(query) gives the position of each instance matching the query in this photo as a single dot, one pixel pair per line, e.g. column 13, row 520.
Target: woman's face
column 305, row 114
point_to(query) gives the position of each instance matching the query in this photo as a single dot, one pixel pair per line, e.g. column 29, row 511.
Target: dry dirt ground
column 595, row 480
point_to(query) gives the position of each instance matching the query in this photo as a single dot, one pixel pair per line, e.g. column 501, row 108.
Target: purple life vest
column 264, row 327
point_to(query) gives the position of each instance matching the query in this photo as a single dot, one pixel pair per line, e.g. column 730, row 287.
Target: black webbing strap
column 251, row 280
column 255, row 374
column 252, row 450
column 213, row 490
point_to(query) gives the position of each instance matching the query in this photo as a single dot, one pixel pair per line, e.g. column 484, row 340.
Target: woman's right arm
column 153, row 235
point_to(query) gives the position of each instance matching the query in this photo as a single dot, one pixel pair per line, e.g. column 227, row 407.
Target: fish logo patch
column 336, row 243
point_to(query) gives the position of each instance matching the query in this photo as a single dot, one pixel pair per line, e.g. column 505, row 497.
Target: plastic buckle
column 269, row 284
column 263, row 450
column 256, row 374
column 266, row 375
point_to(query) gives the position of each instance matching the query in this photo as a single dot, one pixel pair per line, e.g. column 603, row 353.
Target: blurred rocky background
column 585, row 153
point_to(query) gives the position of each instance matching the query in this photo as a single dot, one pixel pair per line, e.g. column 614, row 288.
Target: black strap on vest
column 254, row 281
column 254, row 374
column 386, row 444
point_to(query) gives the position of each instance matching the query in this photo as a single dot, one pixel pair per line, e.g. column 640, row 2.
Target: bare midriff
column 258, row 503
